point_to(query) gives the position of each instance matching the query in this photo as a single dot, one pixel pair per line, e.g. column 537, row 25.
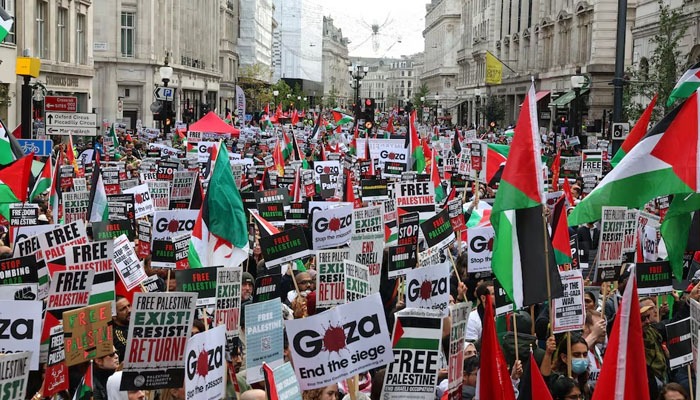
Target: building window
column 127, row 34
column 80, row 39
column 40, row 32
column 9, row 7
column 62, row 35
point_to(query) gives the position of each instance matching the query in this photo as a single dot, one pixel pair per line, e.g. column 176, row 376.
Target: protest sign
column 298, row 213
column 437, row 230
column 15, row 373
column 152, row 284
column 654, row 278
column 264, row 337
column 429, row 288
column 416, row 197
column 22, row 323
column 159, row 327
column 629, row 243
column 142, row 200
column 454, row 210
column 109, row 230
column 283, row 247
column 331, row 168
column 273, row 213
column 23, row 291
column 56, row 376
column 160, row 194
column 412, row 374
column 127, row 264
column 357, row 285
column 402, row 258
column 393, row 169
column 332, row 227
column 367, row 245
column 592, row 163
column 75, row 206
column 328, row 185
column 679, row 344
column 80, row 184
column 480, row 241
column 126, row 209
column 569, row 310
column 69, row 290
column 54, row 242
column 168, row 224
column 183, row 185
column 266, row 287
column 110, row 179
column 271, row 196
column 23, row 214
column 166, row 170
column 171, row 253
column 95, row 256
column 330, row 279
column 339, row 343
column 460, row 314
column 611, row 236
column 19, row 270
column 198, row 280
column 374, row 189
column 205, row 366
column 281, row 382
column 88, row 332
column 228, row 299
column 503, row 304
column 408, row 228
column 143, row 234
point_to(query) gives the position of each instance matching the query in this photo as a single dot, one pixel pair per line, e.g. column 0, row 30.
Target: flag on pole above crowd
column 686, row 85
column 6, row 22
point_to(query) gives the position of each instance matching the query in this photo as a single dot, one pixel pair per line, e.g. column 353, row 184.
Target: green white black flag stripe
column 6, row 22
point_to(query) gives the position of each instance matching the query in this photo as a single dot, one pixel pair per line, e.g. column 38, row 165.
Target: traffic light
column 370, row 106
column 205, row 109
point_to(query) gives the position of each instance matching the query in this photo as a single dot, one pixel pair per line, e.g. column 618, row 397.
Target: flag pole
column 690, row 383
column 515, row 335
column 454, row 266
column 568, row 353
column 546, row 269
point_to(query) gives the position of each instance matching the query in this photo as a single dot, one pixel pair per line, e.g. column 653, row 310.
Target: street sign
column 72, row 130
column 67, row 120
column 164, row 93
column 620, row 130
column 61, row 104
column 39, row 147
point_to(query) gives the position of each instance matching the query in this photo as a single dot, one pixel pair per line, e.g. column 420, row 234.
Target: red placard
column 61, row 103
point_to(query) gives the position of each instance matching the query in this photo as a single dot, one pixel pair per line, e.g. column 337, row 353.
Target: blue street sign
column 39, row 147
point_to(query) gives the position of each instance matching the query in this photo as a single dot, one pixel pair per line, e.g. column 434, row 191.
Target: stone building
column 336, row 88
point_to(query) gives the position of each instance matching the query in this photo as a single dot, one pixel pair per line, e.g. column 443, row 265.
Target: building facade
column 255, row 39
column 335, row 65
column 229, row 60
column 9, row 89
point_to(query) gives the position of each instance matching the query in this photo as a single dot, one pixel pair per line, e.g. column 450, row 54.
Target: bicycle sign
column 38, row 147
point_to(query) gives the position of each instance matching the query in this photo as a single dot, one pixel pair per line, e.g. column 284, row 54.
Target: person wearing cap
column 247, row 286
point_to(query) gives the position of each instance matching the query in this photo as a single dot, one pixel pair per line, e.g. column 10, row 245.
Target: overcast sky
column 401, row 23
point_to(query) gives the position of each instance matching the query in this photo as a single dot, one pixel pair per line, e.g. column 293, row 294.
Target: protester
column 104, row 367
column 121, row 325
column 474, row 325
column 673, row 391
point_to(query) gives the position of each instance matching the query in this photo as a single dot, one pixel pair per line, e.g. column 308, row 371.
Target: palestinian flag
column 70, row 154
column 115, row 139
column 278, row 159
column 98, row 209
column 480, row 215
column 637, row 133
column 220, row 235
column 288, row 149
column 664, row 162
column 353, row 143
column 6, row 22
column 43, row 181
column 341, row 118
column 456, row 143
column 265, row 228
column 14, row 180
column 435, row 179
column 676, row 227
column 414, row 144
column 522, row 246
column 685, row 86
column 9, row 147
column 496, row 156
column 560, row 233
column 416, row 333
column 84, row 391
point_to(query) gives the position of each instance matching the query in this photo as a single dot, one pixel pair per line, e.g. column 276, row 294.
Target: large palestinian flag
column 522, row 247
column 664, row 162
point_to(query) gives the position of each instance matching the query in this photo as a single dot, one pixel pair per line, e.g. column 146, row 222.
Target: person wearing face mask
column 579, row 363
column 594, row 333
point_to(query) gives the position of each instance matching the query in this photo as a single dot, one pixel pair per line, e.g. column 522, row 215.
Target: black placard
column 198, row 280
column 279, row 195
column 266, row 288
column 394, row 168
column 166, row 170
column 298, row 213
column 408, row 228
column 654, row 278
column 401, row 259
column 283, row 247
column 106, row 230
column 437, row 230
column 374, row 189
column 328, row 185
column 679, row 343
column 272, row 212
column 19, row 270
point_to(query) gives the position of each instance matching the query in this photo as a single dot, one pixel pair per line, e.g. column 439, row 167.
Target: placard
column 298, row 214
column 456, row 214
column 205, row 365
column 416, row 197
column 142, row 200
column 169, row 224
column 228, row 299
column 266, row 288
column 460, row 314
column 330, row 279
column 273, row 213
column 264, row 337
column 108, row 230
column 19, row 270
column 88, row 333
column 15, row 374
column 402, row 258
column 612, row 235
column 357, row 284
column 374, row 189
column 23, row 321
column 429, row 288
column 160, row 194
column 679, row 343
column 69, row 290
column 56, row 376
column 54, row 242
column 437, row 230
column 23, row 214
column 480, row 241
column 143, row 232
column 654, row 278
column 183, row 185
column 592, row 163
column 159, row 327
column 283, row 247
column 198, row 280
column 332, row 227
column 127, row 264
column 569, row 310
column 356, row 339
column 75, row 206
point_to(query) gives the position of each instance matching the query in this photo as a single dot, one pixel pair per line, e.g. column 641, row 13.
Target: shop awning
column 567, row 97
column 539, row 96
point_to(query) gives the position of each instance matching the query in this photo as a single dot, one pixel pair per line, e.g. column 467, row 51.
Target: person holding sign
column 104, row 368
column 579, row 364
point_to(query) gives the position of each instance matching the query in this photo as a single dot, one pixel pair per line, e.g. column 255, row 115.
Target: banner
column 678, row 342
column 480, row 241
column 460, row 314
column 142, row 200
column 330, row 279
column 15, row 374
column 283, row 247
column 240, row 107
column 612, row 236
column 412, row 373
column 88, row 333
column 228, row 299
column 160, row 194
column 205, row 366
column 332, row 227
column 437, row 230
column 654, row 278
column 54, row 242
column 69, row 290
column 22, row 322
column 127, row 264
column 264, row 337
column 339, row 343
column 95, row 256
column 416, row 197
column 159, row 327
column 75, row 206
column 569, row 310
column 198, row 280
column 429, row 288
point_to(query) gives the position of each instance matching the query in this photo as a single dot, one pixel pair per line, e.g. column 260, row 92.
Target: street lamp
column 577, row 82
column 422, row 102
column 166, row 72
column 275, row 93
column 437, row 106
column 357, row 73
column 477, row 94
